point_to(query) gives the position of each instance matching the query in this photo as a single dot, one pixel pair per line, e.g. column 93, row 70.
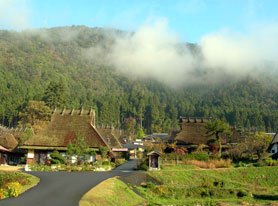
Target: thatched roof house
column 193, row 132
column 64, row 127
column 9, row 154
column 111, row 136
column 7, row 140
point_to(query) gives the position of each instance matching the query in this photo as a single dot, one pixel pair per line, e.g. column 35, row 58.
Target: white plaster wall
column 275, row 148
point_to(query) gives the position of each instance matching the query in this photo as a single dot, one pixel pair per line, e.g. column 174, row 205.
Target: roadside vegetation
column 111, row 192
column 12, row 184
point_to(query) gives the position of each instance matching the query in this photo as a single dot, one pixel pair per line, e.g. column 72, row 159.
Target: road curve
column 64, row 188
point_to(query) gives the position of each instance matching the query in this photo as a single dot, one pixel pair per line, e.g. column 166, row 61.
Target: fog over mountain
column 152, row 51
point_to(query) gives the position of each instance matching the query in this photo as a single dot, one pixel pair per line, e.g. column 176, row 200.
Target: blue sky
column 190, row 19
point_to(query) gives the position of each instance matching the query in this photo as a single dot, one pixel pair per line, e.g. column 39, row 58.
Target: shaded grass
column 111, row 192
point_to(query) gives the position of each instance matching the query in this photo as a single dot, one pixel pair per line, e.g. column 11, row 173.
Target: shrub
column 271, row 162
column 241, row 164
column 119, row 162
column 14, row 189
column 13, row 177
column 142, row 165
column 201, row 156
column 57, row 158
column 105, row 163
column 150, row 185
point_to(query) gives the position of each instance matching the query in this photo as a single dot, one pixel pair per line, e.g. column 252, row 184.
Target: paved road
column 64, row 188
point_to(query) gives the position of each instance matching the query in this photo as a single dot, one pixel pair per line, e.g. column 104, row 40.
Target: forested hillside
column 29, row 61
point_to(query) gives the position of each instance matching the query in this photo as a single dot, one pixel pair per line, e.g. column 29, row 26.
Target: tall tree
column 218, row 128
column 54, row 95
column 33, row 113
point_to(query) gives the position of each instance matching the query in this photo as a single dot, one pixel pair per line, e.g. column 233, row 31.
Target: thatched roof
column 7, row 140
column 110, row 135
column 64, row 127
column 193, row 132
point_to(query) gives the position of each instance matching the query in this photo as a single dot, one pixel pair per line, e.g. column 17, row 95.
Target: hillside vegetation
column 30, row 60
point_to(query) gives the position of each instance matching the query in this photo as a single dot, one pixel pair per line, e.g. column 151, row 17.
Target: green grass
column 111, row 192
column 190, row 186
column 33, row 182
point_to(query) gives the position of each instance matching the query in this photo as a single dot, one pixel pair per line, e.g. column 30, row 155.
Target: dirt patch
column 10, row 168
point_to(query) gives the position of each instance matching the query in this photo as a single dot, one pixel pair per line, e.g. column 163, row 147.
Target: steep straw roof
column 64, row 127
column 7, row 140
column 110, row 137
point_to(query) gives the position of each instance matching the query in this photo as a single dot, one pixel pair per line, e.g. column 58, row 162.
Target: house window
column 273, row 151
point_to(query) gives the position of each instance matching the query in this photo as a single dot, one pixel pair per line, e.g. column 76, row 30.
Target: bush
column 271, row 162
column 57, row 158
column 142, row 165
column 119, row 162
column 105, row 163
column 14, row 189
column 241, row 164
column 150, row 185
column 3, row 194
column 201, row 156
column 13, row 177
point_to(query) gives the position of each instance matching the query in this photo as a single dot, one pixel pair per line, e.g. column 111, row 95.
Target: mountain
column 30, row 60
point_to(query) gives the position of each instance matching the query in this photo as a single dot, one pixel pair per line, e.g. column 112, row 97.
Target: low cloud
column 155, row 52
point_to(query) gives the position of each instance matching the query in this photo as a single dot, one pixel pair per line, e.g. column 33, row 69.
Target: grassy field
column 189, row 185
column 111, row 192
column 185, row 185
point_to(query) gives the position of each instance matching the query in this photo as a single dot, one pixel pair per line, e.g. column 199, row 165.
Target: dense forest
column 32, row 61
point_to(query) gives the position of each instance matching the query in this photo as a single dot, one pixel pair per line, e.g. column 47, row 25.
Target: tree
column 129, row 126
column 34, row 112
column 257, row 144
column 103, row 152
column 254, row 144
column 54, row 95
column 218, row 128
column 139, row 132
column 78, row 147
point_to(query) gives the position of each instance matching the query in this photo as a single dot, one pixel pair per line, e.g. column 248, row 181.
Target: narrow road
column 64, row 188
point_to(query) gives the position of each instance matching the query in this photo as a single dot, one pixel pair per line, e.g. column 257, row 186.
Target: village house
column 63, row 128
column 273, row 148
column 115, row 140
column 192, row 133
column 9, row 154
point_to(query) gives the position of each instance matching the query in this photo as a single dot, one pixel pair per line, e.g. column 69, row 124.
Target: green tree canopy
column 78, row 147
column 34, row 113
column 54, row 95
column 218, row 128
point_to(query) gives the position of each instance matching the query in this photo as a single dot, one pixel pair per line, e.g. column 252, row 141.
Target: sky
column 188, row 19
